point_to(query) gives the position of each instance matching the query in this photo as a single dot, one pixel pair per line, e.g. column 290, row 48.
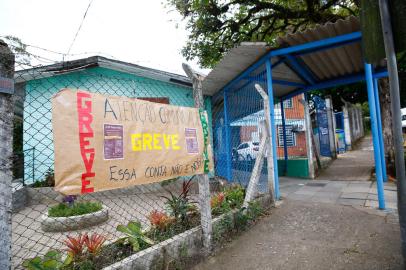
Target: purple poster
column 113, row 141
column 191, row 141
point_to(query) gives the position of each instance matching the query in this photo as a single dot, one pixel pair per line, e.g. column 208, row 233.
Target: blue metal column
column 272, row 126
column 375, row 134
column 228, row 140
column 285, row 146
column 379, row 122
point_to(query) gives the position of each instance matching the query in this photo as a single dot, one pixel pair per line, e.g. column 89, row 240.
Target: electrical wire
column 80, row 26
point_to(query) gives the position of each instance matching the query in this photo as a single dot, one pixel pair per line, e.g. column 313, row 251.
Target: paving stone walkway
column 353, row 193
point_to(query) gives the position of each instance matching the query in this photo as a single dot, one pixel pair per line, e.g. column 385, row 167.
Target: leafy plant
column 94, row 243
column 219, row 204
column 78, row 208
column 85, row 265
column 52, row 260
column 254, row 210
column 76, row 245
column 180, row 205
column 135, row 235
column 217, row 200
column 48, row 181
column 160, row 220
column 234, row 196
column 241, row 219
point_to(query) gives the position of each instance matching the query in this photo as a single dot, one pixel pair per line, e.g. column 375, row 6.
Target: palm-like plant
column 180, row 205
column 94, row 243
column 76, row 245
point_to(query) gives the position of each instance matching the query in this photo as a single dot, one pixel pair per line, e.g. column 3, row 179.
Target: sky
column 142, row 32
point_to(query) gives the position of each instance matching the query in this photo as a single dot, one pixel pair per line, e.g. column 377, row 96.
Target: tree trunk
column 386, row 115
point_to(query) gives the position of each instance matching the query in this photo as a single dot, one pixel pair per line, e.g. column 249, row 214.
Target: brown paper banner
column 106, row 142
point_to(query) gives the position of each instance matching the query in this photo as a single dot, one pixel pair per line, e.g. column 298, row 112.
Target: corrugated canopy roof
column 301, row 68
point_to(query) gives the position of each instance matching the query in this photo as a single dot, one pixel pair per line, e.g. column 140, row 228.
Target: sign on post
column 106, row 142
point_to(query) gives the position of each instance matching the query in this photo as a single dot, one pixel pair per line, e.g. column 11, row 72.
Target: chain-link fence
column 241, row 120
column 152, row 226
column 238, row 123
column 144, row 214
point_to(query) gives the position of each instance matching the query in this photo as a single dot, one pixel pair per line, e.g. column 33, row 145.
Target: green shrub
column 235, row 196
column 135, row 236
column 52, row 260
column 179, row 206
column 48, row 181
column 78, row 208
column 254, row 210
column 241, row 220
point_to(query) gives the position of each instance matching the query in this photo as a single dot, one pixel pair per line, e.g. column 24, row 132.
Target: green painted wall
column 296, row 168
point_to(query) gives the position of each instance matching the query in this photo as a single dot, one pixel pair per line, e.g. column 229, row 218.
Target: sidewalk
column 314, row 236
column 319, row 225
column 352, row 165
column 352, row 193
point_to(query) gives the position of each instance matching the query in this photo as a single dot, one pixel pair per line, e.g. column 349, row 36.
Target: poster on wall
column 107, row 142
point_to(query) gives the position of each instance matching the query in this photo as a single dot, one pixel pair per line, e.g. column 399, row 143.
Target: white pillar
column 203, row 179
column 331, row 128
column 347, row 129
column 309, row 146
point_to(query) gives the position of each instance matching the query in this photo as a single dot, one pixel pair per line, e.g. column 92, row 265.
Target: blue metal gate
column 322, row 123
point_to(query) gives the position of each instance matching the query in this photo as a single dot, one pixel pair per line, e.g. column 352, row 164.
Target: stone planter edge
column 63, row 224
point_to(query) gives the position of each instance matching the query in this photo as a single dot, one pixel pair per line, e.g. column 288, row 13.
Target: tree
column 215, row 26
column 19, row 49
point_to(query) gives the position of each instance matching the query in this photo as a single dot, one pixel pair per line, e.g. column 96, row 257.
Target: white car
column 403, row 111
column 247, row 151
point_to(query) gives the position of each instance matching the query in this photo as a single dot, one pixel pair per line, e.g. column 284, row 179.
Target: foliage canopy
column 215, row 26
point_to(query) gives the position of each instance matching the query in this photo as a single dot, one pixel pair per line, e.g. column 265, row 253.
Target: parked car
column 246, row 151
column 404, row 120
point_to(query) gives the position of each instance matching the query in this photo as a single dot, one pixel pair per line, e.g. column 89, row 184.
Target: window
column 290, row 136
column 288, row 103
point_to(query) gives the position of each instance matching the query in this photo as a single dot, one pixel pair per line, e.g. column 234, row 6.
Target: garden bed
column 175, row 252
column 70, row 223
column 172, row 240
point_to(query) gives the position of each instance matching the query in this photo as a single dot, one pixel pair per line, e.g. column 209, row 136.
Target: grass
column 78, row 208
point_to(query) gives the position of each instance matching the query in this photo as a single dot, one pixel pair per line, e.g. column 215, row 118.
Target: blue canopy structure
column 326, row 56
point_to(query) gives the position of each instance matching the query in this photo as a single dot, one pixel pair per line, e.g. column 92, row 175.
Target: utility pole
column 6, row 146
column 396, row 118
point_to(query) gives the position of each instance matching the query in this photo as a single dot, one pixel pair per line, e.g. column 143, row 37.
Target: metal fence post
column 6, row 145
column 379, row 122
column 375, row 135
column 396, row 118
column 227, row 139
column 203, row 179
